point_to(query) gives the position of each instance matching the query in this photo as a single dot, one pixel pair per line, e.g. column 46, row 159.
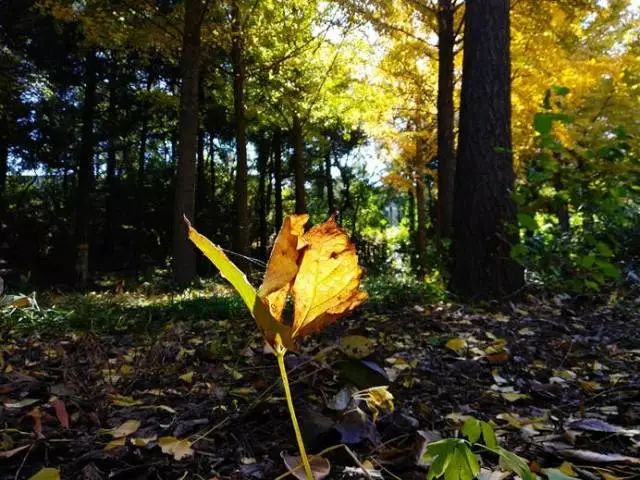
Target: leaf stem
column 280, row 351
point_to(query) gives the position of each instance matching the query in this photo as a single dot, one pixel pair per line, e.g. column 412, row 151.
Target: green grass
column 133, row 312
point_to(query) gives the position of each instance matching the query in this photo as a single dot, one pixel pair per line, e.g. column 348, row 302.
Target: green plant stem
column 280, row 351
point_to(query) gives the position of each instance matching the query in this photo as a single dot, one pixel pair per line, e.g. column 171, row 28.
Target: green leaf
column 453, row 459
column 608, row 269
column 488, row 435
column 604, row 249
column 471, row 429
column 527, row 221
column 513, row 463
column 239, row 281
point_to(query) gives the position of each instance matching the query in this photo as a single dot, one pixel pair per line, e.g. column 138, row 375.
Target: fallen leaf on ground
column 320, row 466
column 47, row 474
column 179, row 448
column 127, row 428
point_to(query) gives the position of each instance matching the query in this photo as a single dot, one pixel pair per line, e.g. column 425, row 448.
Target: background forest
column 117, row 117
column 481, row 158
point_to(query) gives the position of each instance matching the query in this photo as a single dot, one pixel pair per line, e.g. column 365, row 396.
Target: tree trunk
column 446, row 152
column 298, row 165
column 484, row 212
column 241, row 198
column 329, row 181
column 111, row 180
column 277, row 179
column 421, row 209
column 184, row 259
column 85, row 170
column 263, row 156
column 411, row 213
column 212, row 173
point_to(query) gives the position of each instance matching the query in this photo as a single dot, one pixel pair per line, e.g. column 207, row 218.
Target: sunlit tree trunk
column 446, row 152
column 85, row 169
column 241, row 198
column 298, row 165
column 184, row 259
column 484, row 211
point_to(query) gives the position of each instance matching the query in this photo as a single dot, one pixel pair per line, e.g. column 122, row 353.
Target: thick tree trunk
column 484, row 212
column 263, row 157
column 329, row 182
column 184, row 258
column 241, row 198
column 446, row 152
column 298, row 165
column 201, row 179
column 85, row 170
column 277, row 179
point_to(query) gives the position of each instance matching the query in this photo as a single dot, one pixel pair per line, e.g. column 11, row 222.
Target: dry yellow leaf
column 127, row 428
column 176, row 447
column 283, row 264
column 457, row 344
column 328, row 280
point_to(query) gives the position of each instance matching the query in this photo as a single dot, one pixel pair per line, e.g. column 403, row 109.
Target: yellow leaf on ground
column 176, row 447
column 458, row 345
column 356, row 346
column 186, row 377
column 328, row 280
column 127, row 428
column 283, row 264
column 115, row 443
column 46, row 474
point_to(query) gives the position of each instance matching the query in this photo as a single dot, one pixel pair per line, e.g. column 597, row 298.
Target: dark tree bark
column 263, row 157
column 277, row 179
column 111, row 178
column 421, row 209
column 201, row 181
column 446, row 152
column 484, row 212
column 298, row 165
column 241, row 198
column 329, row 182
column 184, row 258
column 85, row 169
column 201, row 177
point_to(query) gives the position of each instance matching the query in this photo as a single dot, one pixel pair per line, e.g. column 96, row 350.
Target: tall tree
column 184, row 258
column 85, row 168
column 484, row 211
column 241, row 198
column 446, row 152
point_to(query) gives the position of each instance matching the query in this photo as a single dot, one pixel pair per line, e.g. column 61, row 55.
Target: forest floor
column 199, row 397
